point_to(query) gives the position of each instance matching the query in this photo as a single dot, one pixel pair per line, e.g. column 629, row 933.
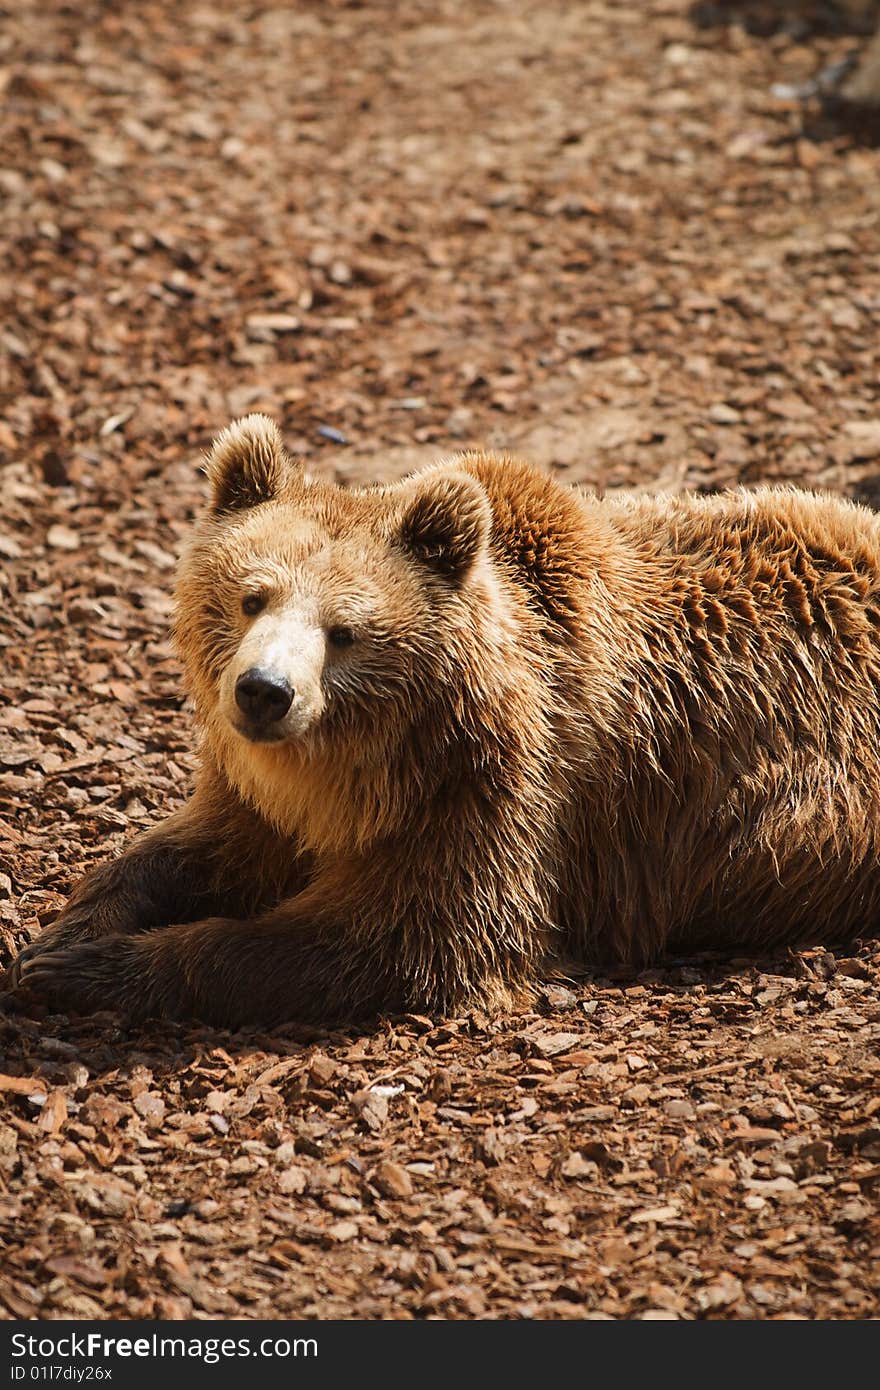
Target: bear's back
column 725, row 667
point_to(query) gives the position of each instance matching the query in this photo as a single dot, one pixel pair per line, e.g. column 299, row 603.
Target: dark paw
column 84, row 976
column 56, row 937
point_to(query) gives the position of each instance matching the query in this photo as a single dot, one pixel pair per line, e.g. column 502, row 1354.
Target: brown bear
column 466, row 728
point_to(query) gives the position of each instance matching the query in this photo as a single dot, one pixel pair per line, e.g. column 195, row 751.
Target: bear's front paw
column 58, row 936
column 107, row 973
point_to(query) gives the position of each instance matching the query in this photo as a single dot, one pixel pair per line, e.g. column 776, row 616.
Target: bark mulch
column 595, row 234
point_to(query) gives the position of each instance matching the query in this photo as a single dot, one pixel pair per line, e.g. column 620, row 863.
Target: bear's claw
column 85, row 976
column 58, row 936
column 13, row 977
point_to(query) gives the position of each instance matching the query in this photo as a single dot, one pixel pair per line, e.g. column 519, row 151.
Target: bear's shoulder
column 551, row 537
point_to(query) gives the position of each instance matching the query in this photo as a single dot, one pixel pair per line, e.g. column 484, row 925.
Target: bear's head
column 317, row 622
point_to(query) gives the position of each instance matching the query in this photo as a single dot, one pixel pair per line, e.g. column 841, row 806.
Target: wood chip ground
column 590, row 233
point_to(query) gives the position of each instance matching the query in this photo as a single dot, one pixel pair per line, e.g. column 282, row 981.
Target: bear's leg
column 212, row 856
column 223, row 972
column 124, row 896
column 371, row 933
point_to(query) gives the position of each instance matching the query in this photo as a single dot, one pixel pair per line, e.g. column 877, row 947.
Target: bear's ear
column 247, row 464
column 446, row 522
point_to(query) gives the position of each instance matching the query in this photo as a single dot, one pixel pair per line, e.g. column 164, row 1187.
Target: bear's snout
column 263, row 696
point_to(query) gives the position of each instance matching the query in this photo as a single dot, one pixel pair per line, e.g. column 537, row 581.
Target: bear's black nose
column 262, row 696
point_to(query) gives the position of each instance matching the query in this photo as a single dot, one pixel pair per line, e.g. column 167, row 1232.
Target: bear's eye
column 340, row 636
column 252, row 604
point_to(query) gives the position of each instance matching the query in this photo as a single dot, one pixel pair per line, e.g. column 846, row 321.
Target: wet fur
column 587, row 730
